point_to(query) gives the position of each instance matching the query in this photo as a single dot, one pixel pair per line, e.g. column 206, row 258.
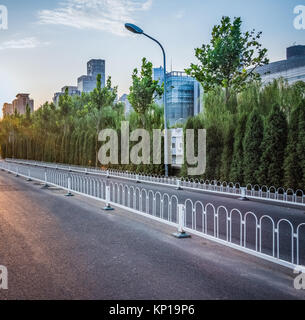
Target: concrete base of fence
column 244, row 199
column 243, row 195
column 181, row 235
column 108, row 208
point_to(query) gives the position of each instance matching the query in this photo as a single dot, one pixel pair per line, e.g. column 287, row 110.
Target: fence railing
column 265, row 193
column 281, row 241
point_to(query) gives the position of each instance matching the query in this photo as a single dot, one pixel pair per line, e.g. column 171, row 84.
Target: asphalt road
column 68, row 248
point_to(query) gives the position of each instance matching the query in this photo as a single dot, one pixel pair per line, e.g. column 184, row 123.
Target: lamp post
column 135, row 29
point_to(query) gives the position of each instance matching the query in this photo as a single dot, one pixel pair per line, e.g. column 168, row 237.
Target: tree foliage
column 226, row 60
column 273, row 147
column 144, row 90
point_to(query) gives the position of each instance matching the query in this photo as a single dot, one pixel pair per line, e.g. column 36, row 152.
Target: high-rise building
column 21, row 102
column 183, row 95
column 72, row 91
column 292, row 69
column 19, row 105
column 127, row 105
column 159, row 76
column 95, row 67
column 87, row 83
column 7, row 109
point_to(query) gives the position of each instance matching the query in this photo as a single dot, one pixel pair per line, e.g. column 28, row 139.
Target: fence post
column 243, row 194
column 137, row 179
column 178, row 184
column 69, row 194
column 181, row 234
column 108, row 174
column 29, row 175
column 108, row 205
column 45, row 179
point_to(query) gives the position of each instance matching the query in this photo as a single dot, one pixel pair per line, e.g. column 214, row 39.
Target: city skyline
column 48, row 43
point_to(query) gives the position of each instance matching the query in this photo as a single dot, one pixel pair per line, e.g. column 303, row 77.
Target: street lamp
column 135, row 29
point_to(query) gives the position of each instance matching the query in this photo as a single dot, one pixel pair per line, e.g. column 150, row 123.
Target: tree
column 196, row 123
column 237, row 167
column 214, row 152
column 144, row 90
column 252, row 147
column 292, row 165
column 226, row 60
column 227, row 153
column 301, row 143
column 273, row 146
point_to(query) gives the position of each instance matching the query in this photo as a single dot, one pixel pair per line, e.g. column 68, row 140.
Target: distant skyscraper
column 128, row 106
column 72, row 91
column 183, row 95
column 7, row 109
column 88, row 83
column 21, row 102
column 19, row 105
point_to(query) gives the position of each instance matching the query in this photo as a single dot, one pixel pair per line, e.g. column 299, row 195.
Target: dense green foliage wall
column 69, row 132
column 256, row 138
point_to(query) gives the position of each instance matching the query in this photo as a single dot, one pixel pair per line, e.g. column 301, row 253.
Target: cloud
column 104, row 15
column 180, row 14
column 25, row 43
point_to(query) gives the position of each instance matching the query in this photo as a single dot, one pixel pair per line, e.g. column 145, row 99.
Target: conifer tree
column 237, row 170
column 273, row 147
column 252, row 147
column 292, row 165
column 227, row 154
column 214, row 152
column 301, row 143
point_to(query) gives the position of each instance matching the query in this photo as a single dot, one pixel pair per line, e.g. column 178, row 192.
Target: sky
column 48, row 42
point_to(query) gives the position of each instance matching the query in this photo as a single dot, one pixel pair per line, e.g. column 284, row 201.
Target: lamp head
column 133, row 28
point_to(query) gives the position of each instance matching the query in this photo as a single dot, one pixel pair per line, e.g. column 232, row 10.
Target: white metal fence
column 280, row 195
column 280, row 241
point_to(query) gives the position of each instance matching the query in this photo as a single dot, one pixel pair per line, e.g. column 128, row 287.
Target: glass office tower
column 183, row 95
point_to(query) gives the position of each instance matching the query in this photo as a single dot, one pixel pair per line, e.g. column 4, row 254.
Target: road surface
column 68, row 248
